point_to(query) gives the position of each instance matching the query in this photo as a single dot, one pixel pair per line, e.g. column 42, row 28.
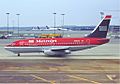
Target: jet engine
column 56, row 52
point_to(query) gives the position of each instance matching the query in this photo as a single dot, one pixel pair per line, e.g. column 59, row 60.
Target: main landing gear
column 18, row 54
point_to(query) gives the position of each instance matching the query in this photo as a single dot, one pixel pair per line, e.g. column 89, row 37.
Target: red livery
column 108, row 17
column 62, row 46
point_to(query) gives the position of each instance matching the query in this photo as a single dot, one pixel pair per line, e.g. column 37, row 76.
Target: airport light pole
column 102, row 14
column 13, row 25
column 18, row 22
column 7, row 23
column 62, row 20
column 54, row 22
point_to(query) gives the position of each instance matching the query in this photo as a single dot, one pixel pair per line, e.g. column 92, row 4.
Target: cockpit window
column 12, row 44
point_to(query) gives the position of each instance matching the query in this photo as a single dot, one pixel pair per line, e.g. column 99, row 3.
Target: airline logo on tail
column 102, row 28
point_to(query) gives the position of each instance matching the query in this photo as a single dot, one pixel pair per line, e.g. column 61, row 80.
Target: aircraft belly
column 24, row 49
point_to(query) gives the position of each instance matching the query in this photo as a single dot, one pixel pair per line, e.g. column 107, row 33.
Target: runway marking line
column 109, row 77
column 40, row 78
column 85, row 79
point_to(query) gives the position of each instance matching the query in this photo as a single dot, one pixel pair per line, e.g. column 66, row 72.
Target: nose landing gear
column 18, row 54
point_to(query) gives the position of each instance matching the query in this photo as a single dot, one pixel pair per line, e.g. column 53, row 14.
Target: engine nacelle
column 56, row 53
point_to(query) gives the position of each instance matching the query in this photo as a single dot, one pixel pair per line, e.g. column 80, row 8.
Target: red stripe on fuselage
column 60, row 42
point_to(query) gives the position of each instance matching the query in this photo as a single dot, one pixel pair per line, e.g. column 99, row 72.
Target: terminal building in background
column 114, row 30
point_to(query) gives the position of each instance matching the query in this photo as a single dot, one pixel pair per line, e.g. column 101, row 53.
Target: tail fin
column 47, row 27
column 101, row 29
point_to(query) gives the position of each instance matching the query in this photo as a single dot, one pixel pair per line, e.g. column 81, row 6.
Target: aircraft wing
column 58, row 51
column 59, row 48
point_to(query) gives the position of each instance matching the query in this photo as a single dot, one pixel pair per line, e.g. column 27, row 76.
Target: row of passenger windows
column 58, row 43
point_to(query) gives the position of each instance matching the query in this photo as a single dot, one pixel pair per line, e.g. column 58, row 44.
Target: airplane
column 49, row 29
column 52, row 28
column 62, row 46
column 37, row 28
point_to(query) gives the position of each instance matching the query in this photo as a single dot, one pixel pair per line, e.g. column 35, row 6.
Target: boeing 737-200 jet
column 62, row 46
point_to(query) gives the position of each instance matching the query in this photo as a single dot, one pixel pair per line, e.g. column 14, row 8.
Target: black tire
column 18, row 54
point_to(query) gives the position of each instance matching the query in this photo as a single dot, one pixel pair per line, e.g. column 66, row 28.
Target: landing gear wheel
column 18, row 54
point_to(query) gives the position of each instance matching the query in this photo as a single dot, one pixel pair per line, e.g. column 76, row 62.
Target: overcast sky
column 40, row 12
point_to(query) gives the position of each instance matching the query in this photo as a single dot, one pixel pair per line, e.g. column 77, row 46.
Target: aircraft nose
column 8, row 45
column 8, row 48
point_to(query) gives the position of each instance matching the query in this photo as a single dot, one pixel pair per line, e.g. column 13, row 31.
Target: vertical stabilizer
column 101, row 29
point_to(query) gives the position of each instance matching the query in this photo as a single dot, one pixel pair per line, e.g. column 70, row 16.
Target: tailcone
column 103, row 41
